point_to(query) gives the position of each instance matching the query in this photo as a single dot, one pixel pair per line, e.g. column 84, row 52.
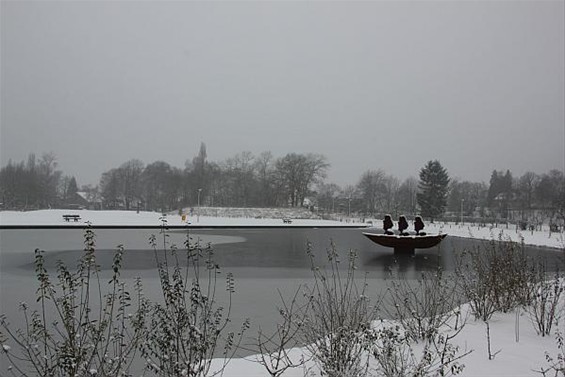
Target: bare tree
column 406, row 196
column 327, row 194
column 349, row 195
column 241, row 171
column 467, row 196
column 525, row 188
column 33, row 184
column 48, row 180
column 391, row 198
column 161, row 186
column 550, row 194
column 371, row 188
column 109, row 189
column 129, row 174
column 298, row 172
column 265, row 176
column 379, row 192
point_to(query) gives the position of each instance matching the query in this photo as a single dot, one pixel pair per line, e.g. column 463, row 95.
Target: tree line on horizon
column 294, row 180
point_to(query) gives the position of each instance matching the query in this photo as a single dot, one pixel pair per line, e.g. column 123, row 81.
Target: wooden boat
column 406, row 244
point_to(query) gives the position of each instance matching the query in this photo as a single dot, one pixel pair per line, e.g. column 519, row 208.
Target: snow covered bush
column 188, row 327
column 497, row 276
column 424, row 307
column 80, row 328
column 397, row 356
column 556, row 363
column 337, row 318
column 545, row 309
column 273, row 349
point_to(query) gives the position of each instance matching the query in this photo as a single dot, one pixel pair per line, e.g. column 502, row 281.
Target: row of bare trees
column 528, row 196
column 263, row 180
column 244, row 180
column 35, row 183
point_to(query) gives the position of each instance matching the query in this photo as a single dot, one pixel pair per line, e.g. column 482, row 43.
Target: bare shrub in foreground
column 497, row 277
column 188, row 326
column 273, row 349
column 337, row 319
column 556, row 363
column 81, row 328
column 425, row 307
column 396, row 356
column 545, row 310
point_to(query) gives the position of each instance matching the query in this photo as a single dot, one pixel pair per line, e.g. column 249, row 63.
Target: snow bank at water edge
column 55, row 217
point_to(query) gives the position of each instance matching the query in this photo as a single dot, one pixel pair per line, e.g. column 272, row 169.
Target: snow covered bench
column 68, row 218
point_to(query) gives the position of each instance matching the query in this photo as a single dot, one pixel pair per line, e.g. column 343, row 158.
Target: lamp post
column 462, row 200
column 198, row 215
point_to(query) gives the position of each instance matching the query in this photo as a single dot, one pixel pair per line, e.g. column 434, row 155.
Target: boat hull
column 406, row 244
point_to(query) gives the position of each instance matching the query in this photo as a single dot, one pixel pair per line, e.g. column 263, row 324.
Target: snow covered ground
column 522, row 351
column 536, row 237
column 519, row 350
column 55, row 217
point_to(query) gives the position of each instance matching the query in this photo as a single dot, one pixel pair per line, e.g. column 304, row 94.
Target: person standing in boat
column 402, row 225
column 418, row 226
column 388, row 224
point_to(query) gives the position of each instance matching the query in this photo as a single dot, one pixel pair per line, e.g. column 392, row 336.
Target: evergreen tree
column 73, row 187
column 495, row 187
column 433, row 186
column 500, row 192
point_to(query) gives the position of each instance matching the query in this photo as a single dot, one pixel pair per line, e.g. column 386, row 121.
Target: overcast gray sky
column 478, row 85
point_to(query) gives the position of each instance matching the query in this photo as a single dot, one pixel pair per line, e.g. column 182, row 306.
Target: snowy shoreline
column 258, row 219
column 541, row 238
column 132, row 218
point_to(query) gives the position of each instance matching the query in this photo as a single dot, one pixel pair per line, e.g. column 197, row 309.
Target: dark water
column 254, row 250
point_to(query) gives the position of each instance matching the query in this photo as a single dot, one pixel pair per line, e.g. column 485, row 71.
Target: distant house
column 85, row 200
